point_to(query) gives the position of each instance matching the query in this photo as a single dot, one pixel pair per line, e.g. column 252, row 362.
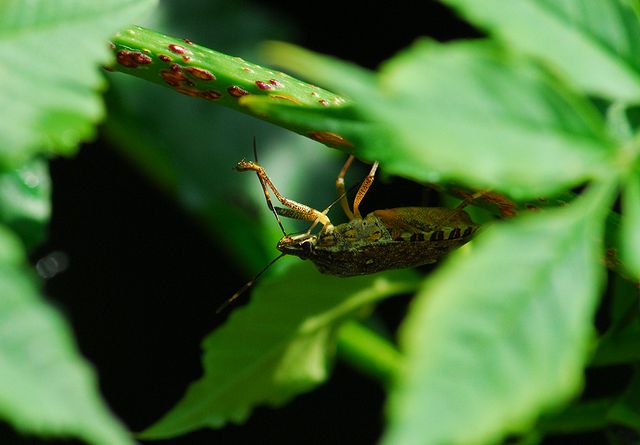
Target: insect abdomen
column 377, row 257
column 389, row 239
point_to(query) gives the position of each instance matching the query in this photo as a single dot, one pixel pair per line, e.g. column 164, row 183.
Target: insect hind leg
column 459, row 208
column 364, row 188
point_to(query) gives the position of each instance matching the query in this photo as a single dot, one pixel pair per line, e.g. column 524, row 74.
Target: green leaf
column 278, row 346
column 49, row 59
column 216, row 77
column 626, row 410
column 618, row 122
column 11, row 250
column 630, row 225
column 619, row 344
column 594, row 43
column 483, row 111
column 501, row 334
column 46, row 387
column 471, row 113
column 25, row 201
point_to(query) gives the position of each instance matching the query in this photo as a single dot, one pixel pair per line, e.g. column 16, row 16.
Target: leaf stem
column 198, row 71
column 369, row 352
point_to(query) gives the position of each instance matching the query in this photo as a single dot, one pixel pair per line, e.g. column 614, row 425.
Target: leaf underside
column 500, row 335
column 279, row 345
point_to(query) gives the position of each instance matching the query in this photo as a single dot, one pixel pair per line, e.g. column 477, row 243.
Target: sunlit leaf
column 500, row 335
column 594, row 43
column 50, row 58
column 470, row 113
column 278, row 346
column 25, row 201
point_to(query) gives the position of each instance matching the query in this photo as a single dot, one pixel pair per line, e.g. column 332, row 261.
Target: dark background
column 118, row 233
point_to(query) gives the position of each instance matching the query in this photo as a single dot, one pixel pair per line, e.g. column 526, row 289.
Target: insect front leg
column 305, row 212
column 270, row 204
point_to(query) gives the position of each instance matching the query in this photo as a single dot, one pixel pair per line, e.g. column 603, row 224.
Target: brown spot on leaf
column 195, row 92
column 173, row 76
column 327, row 137
column 132, row 59
column 211, row 95
column 200, row 73
column 177, row 49
column 263, row 85
column 236, row 91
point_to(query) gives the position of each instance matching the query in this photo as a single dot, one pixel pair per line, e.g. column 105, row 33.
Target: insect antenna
column 343, row 194
column 255, row 150
column 247, row 285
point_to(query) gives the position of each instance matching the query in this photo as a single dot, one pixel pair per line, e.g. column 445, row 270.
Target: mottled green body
column 384, row 239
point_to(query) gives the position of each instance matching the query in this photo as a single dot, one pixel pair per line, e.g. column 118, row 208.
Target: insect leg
column 307, row 213
column 459, row 208
column 342, row 193
column 270, row 204
column 288, row 213
column 469, row 199
column 363, row 190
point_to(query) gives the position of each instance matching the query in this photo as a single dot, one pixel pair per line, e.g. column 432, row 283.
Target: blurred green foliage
column 497, row 339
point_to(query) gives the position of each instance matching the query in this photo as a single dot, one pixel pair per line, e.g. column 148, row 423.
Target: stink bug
column 384, row 239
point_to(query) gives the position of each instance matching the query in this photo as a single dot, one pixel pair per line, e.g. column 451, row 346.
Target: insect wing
column 426, row 223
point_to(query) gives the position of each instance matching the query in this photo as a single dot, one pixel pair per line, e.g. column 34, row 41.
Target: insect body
column 384, row 239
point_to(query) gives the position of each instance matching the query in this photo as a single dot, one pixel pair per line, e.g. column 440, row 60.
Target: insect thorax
column 384, row 239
